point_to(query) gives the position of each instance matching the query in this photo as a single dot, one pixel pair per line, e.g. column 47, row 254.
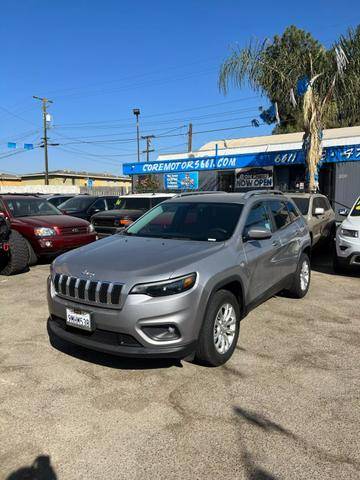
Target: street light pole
column 136, row 112
column 45, row 102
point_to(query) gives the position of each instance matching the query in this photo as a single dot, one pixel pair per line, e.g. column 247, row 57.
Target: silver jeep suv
column 178, row 281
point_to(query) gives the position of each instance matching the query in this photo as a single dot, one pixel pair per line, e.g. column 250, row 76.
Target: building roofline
column 72, row 174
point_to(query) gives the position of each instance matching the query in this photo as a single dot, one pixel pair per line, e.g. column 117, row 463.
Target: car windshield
column 302, row 204
column 31, row 207
column 355, row 212
column 132, row 203
column 77, row 203
column 211, row 222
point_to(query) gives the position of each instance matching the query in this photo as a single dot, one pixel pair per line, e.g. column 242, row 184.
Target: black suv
column 85, row 206
column 127, row 209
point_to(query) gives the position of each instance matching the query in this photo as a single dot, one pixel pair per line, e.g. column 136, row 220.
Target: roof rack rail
column 204, row 192
column 262, row 192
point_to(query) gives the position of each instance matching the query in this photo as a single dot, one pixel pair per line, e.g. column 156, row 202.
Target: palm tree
column 331, row 80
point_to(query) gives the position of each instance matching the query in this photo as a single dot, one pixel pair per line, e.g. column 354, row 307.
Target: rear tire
column 220, row 330
column 302, row 278
column 19, row 255
column 33, row 258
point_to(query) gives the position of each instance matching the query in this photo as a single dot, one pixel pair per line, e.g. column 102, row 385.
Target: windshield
column 355, row 212
column 77, row 203
column 213, row 222
column 302, row 204
column 132, row 203
column 31, row 207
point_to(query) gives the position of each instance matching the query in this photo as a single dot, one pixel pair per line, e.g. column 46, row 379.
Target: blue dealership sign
column 230, row 162
column 181, row 181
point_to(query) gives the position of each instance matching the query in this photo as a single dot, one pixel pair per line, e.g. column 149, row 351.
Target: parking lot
column 286, row 406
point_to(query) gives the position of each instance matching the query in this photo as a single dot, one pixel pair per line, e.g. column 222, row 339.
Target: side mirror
column 258, row 233
column 319, row 211
column 344, row 212
column 94, row 210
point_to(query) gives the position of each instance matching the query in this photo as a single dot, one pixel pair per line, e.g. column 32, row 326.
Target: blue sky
column 97, row 60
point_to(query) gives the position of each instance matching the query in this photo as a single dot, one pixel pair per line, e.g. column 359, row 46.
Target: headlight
column 44, row 232
column 169, row 287
column 91, row 228
column 349, row 233
column 52, row 288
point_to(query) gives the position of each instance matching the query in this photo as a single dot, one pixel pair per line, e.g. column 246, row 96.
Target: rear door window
column 316, row 204
column 293, row 212
column 280, row 214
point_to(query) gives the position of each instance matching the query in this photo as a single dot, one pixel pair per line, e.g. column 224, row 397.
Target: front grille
column 73, row 230
column 103, row 222
column 105, row 293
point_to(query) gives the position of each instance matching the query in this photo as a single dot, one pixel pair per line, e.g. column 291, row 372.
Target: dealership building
column 274, row 161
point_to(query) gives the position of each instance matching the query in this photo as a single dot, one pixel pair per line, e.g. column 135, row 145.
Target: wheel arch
column 233, row 284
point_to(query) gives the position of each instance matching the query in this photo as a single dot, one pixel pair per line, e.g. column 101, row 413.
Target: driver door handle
column 276, row 243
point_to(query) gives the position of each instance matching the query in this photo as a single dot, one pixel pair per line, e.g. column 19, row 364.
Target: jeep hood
column 120, row 258
column 351, row 222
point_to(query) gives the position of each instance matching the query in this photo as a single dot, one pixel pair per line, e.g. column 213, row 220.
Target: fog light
column 45, row 243
column 162, row 332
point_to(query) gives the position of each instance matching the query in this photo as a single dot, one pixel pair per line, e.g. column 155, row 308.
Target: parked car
column 126, row 210
column 42, row 227
column 318, row 214
column 178, row 281
column 347, row 251
column 56, row 200
column 85, row 206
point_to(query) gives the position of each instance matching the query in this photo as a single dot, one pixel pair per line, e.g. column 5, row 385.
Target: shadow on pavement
column 41, row 469
column 269, row 426
column 111, row 361
column 322, row 261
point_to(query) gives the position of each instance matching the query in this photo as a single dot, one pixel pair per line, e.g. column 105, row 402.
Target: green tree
column 274, row 67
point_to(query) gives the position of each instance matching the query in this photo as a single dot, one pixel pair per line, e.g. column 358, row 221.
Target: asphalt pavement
column 287, row 405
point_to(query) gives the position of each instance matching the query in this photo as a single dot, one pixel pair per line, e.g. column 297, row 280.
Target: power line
column 114, row 121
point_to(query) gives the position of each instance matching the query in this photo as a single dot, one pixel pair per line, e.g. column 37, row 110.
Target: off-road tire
column 19, row 255
column 296, row 290
column 206, row 353
column 33, row 258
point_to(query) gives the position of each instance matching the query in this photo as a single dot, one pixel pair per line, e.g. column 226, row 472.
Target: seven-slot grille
column 87, row 290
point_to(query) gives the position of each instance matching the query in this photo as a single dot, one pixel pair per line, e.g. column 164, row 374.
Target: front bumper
column 348, row 250
column 121, row 331
column 114, row 344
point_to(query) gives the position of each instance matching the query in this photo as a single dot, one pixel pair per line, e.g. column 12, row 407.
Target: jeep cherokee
column 178, row 281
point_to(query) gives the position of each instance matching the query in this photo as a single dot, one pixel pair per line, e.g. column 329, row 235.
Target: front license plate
column 79, row 320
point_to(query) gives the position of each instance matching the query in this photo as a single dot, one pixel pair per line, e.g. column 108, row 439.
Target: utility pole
column 148, row 139
column 136, row 112
column 45, row 102
column 190, row 134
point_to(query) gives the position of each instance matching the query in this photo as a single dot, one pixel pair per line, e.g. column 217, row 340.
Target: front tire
column 33, row 258
column 19, row 255
column 220, row 330
column 302, row 278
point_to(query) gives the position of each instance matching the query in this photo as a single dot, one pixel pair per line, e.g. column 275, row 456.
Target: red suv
column 43, row 227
